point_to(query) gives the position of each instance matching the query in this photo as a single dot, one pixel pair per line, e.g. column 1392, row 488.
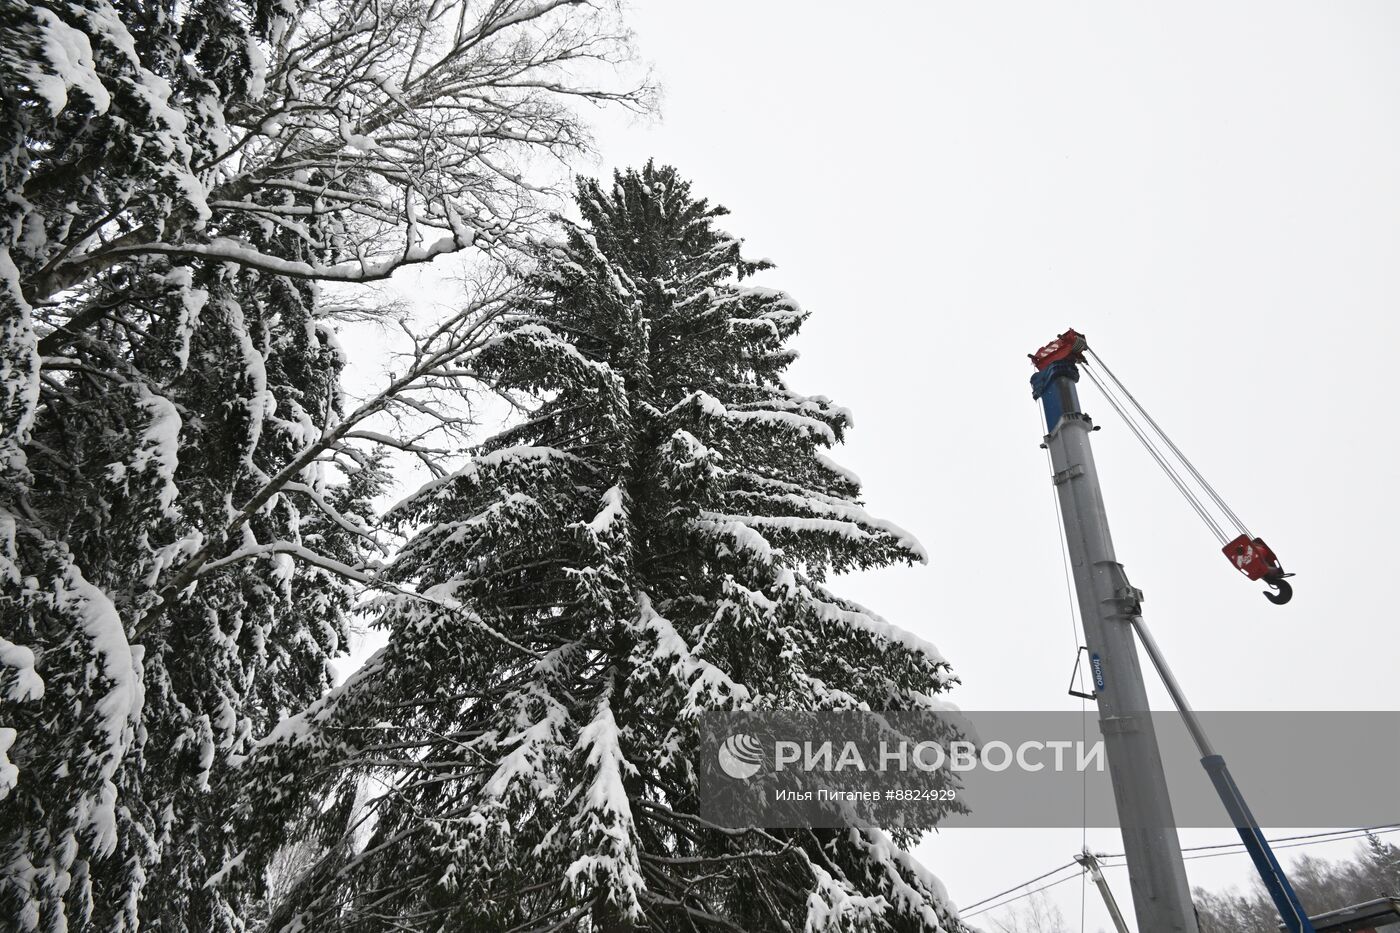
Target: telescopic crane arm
column 1111, row 610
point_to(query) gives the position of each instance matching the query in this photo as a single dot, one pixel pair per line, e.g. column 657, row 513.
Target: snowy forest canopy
column 197, row 197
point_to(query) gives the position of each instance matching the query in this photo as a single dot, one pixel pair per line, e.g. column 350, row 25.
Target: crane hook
column 1256, row 560
column 1283, row 591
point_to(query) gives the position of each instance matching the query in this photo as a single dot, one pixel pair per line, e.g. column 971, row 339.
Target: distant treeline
column 1321, row 885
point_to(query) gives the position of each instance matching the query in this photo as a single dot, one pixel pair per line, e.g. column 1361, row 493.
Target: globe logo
column 741, row 756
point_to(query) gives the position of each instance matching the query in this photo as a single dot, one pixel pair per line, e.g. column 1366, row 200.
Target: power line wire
column 1207, row 851
column 1380, row 829
column 965, row 915
column 1022, row 885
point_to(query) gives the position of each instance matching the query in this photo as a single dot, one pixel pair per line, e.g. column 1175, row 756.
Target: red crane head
column 1068, row 346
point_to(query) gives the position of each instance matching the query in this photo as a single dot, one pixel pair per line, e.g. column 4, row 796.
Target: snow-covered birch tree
column 651, row 541
column 184, row 490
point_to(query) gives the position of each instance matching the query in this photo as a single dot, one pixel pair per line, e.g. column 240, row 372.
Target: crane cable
column 1076, row 626
column 1143, row 427
column 1205, row 484
column 1158, row 456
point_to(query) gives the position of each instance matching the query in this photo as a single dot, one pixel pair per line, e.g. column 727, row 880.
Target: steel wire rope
column 1076, row 628
column 1186, row 461
column 1157, row 455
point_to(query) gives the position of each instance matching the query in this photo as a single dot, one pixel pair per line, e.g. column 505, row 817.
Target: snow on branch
column 28, row 685
column 707, row 686
column 787, row 421
column 445, row 346
column 848, row 614
column 118, row 709
column 605, row 820
column 472, row 469
column 377, row 122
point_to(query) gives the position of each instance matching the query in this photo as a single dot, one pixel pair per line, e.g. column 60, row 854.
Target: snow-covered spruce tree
column 152, row 413
column 175, row 552
column 125, row 742
column 650, row 542
column 124, row 482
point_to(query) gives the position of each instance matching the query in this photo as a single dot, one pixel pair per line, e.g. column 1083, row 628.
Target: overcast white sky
column 1210, row 191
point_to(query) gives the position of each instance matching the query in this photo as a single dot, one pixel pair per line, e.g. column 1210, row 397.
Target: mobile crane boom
column 1111, row 609
column 1107, row 603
